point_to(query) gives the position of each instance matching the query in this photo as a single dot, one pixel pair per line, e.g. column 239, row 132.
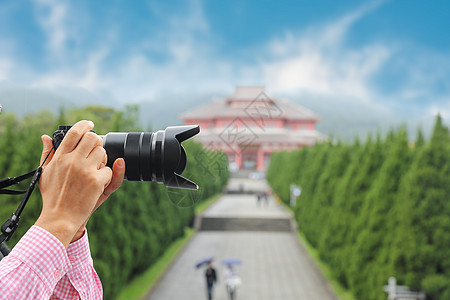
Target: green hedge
column 375, row 209
column 138, row 222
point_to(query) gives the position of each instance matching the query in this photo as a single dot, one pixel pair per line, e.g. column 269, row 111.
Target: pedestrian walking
column 232, row 279
column 258, row 198
column 211, row 278
column 266, row 197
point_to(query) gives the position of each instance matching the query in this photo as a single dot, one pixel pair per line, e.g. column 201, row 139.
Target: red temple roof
column 248, row 99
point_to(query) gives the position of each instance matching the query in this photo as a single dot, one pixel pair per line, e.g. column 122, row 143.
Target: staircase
column 245, row 224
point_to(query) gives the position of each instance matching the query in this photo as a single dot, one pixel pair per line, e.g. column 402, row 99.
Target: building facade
column 249, row 126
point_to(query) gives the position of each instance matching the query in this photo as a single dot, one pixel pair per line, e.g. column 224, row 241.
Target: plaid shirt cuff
column 79, row 253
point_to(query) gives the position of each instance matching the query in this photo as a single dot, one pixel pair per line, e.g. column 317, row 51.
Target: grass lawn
column 140, row 285
column 202, row 206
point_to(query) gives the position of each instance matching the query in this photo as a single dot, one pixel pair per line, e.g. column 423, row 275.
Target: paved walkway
column 275, row 265
column 243, row 206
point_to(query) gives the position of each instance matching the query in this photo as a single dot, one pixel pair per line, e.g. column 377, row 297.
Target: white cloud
column 317, row 60
column 6, row 66
column 51, row 16
column 443, row 110
column 136, row 76
column 427, row 76
column 346, row 74
column 88, row 74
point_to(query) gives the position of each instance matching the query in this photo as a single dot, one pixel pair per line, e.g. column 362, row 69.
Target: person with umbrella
column 232, row 279
column 210, row 275
column 211, row 279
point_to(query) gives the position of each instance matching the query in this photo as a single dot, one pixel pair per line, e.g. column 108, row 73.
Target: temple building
column 249, row 126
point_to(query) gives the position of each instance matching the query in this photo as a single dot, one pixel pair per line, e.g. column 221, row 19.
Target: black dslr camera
column 149, row 156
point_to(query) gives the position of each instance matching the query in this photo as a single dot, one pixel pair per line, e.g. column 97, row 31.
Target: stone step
column 245, row 224
column 246, row 186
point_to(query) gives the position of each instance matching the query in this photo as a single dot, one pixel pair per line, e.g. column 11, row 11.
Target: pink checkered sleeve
column 81, row 280
column 34, row 266
column 39, row 267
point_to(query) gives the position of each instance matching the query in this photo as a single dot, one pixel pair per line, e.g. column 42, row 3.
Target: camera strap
column 8, row 181
column 12, row 223
column 4, row 250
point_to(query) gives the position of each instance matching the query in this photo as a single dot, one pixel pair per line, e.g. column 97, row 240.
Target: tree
column 377, row 220
column 421, row 252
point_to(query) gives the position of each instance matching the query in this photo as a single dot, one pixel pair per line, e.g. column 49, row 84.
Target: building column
column 260, row 160
column 238, row 158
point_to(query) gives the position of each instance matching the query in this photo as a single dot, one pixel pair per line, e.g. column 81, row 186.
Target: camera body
column 149, row 156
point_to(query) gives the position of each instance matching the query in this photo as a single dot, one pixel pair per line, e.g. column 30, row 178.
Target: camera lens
column 152, row 156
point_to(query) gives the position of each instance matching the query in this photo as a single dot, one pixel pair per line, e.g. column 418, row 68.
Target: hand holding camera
column 75, row 181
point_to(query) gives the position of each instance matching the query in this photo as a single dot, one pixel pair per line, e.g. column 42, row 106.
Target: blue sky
column 380, row 62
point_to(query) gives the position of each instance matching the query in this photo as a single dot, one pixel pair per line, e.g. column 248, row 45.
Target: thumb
column 47, row 148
